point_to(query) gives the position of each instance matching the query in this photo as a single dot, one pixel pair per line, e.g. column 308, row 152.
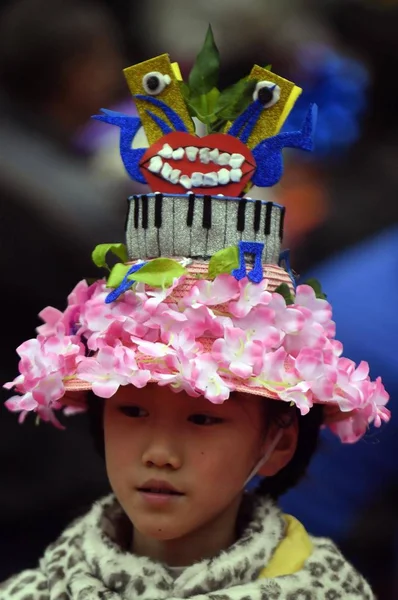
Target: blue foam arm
column 129, row 127
column 268, row 153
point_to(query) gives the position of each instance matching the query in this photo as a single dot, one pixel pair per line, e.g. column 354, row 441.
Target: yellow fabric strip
column 292, row 552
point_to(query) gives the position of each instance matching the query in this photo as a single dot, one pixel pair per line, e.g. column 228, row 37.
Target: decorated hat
column 202, row 298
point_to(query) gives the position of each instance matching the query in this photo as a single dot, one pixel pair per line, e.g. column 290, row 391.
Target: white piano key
column 215, row 236
column 198, row 232
column 232, row 235
column 166, row 232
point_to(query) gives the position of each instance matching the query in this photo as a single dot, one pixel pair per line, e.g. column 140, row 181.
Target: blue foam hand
column 268, row 153
column 129, row 127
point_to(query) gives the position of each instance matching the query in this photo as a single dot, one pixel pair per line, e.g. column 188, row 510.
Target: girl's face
column 156, row 439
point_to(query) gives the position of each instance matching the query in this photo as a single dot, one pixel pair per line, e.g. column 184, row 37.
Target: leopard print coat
column 91, row 561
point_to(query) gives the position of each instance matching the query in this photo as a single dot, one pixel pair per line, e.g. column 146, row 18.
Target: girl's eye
column 133, row 411
column 204, row 420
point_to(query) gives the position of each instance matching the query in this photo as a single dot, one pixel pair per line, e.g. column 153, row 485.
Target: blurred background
column 63, row 190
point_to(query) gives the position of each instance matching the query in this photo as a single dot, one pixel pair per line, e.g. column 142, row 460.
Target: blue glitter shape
column 163, row 126
column 256, row 273
column 129, row 127
column 125, row 284
column 172, row 116
column 284, row 261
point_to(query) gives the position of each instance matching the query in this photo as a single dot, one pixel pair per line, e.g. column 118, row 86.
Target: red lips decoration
column 221, row 141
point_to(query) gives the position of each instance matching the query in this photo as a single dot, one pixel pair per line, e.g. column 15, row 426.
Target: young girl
column 198, row 373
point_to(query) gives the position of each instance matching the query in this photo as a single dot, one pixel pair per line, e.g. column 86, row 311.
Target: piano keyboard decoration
column 200, row 225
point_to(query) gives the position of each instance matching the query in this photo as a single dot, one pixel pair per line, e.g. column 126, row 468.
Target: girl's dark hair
column 278, row 412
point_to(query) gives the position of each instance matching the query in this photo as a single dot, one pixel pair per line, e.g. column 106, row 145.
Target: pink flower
column 320, row 309
column 180, row 377
column 111, row 368
column 210, row 293
column 236, row 353
column 158, row 295
column 153, row 349
column 286, row 318
column 207, row 380
column 77, row 298
column 251, row 294
column 259, row 325
column 351, row 429
column 311, row 335
column 186, row 344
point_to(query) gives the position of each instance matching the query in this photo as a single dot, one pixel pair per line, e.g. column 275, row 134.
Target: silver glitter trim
column 176, row 238
column 233, row 236
column 182, row 240
column 198, row 232
column 151, row 234
column 217, row 230
column 166, row 231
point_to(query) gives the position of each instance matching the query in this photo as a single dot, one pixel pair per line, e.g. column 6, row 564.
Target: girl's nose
column 161, row 453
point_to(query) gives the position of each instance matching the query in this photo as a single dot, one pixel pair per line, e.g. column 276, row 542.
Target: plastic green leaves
column 316, row 286
column 205, row 72
column 224, row 261
column 284, row 290
column 158, row 273
column 100, row 252
column 202, row 96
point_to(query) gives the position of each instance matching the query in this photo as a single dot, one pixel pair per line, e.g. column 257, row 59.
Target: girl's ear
column 284, row 450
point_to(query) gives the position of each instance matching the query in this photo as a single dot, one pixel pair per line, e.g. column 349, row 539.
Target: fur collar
column 90, row 561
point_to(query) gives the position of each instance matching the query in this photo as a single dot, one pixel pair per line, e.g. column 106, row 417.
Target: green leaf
column 316, row 286
column 203, row 106
column 100, row 252
column 235, row 99
column 224, row 261
column 186, row 92
column 284, row 290
column 268, row 67
column 205, row 71
column 159, row 272
column 117, row 275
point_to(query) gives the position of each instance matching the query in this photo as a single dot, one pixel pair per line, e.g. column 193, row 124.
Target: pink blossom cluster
column 216, row 337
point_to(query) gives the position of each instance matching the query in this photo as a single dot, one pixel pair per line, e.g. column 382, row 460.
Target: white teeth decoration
column 155, row 164
column 186, row 182
column 166, row 171
column 210, row 179
column 223, row 176
column 236, row 161
column 166, row 151
column 197, row 179
column 204, row 155
column 179, row 153
column 175, row 175
column 191, row 153
column 236, row 175
column 214, row 154
column 224, row 158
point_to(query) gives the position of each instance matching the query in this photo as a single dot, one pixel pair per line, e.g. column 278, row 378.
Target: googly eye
column 267, row 92
column 155, row 82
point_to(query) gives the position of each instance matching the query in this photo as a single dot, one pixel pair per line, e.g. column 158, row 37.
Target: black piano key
column 268, row 213
column 240, row 226
column 206, row 220
column 257, row 215
column 191, row 208
column 126, row 220
column 144, row 200
column 282, row 223
column 158, row 210
column 136, row 211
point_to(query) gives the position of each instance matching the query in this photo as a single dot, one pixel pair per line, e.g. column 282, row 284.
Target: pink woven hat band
column 201, row 297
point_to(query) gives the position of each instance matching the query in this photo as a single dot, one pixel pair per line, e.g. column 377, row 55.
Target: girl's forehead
column 160, row 395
